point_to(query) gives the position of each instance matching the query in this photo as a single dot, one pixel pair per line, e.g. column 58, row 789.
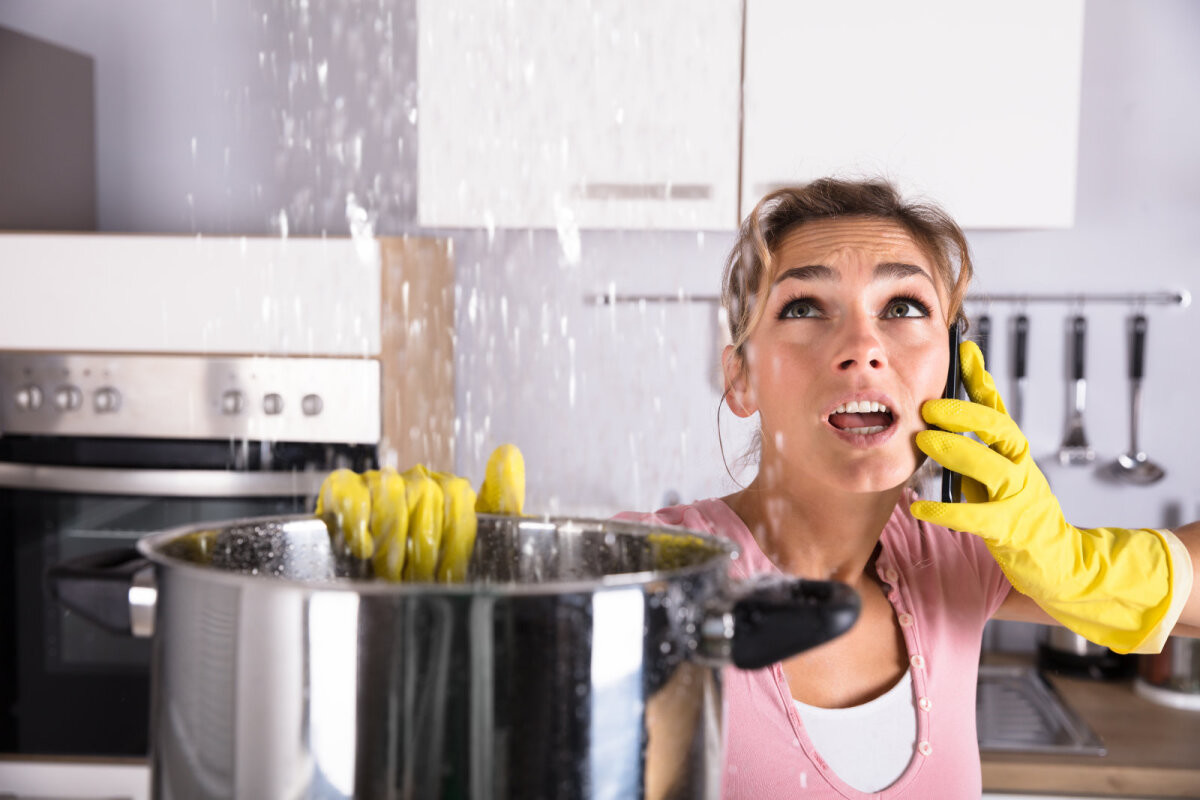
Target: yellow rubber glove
column 426, row 516
column 344, row 502
column 419, row 525
column 503, row 489
column 459, row 527
column 1120, row 588
column 389, row 523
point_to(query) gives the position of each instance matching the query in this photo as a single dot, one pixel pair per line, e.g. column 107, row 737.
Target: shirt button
column 918, row 661
column 891, row 574
column 925, row 704
column 925, row 749
column 905, row 620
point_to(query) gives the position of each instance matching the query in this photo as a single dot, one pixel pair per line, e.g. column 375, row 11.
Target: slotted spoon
column 1075, row 450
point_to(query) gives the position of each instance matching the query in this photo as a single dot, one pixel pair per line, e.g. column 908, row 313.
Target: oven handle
column 159, row 482
column 114, row 589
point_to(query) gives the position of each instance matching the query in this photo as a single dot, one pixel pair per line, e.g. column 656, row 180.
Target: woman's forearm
column 1189, row 620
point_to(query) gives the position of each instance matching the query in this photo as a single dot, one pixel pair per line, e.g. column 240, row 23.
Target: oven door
column 68, row 687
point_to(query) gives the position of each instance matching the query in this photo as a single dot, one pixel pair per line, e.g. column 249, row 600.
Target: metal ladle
column 1133, row 466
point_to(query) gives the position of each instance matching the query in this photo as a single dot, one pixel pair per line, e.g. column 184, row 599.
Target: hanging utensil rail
column 1181, row 298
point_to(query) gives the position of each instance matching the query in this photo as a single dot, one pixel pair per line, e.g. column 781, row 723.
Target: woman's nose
column 860, row 348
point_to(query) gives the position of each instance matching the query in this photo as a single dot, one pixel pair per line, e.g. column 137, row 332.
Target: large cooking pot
column 1065, row 652
column 1171, row 677
column 580, row 660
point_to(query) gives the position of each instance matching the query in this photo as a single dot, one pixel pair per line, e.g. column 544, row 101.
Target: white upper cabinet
column 972, row 104
column 607, row 114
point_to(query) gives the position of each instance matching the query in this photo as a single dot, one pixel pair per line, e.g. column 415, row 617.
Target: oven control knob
column 68, row 398
column 273, row 404
column 232, row 402
column 107, row 400
column 311, row 405
column 28, row 398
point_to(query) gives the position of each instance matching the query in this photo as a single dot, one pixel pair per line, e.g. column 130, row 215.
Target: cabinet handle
column 645, row 191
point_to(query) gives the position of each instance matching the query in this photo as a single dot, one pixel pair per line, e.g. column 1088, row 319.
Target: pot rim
column 149, row 545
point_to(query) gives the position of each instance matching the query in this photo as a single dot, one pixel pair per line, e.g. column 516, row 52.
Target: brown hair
column 750, row 266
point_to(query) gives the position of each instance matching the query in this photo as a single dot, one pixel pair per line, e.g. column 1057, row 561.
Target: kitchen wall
column 271, row 118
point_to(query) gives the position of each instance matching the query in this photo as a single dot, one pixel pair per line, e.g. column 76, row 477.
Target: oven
column 153, row 381
column 98, row 449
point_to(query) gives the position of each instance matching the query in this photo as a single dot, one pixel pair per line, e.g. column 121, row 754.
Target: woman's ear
column 737, row 390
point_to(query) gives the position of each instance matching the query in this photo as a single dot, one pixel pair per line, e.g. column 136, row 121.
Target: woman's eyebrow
column 898, row 269
column 813, row 272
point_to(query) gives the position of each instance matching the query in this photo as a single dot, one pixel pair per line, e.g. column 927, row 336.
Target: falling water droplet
column 473, row 306
column 489, row 224
column 568, row 233
column 362, row 227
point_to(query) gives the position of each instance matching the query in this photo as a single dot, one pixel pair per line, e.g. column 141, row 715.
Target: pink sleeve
column 964, row 566
column 989, row 576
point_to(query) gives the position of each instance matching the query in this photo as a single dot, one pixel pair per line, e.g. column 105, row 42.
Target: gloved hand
column 418, row 525
column 1120, row 588
column 503, row 489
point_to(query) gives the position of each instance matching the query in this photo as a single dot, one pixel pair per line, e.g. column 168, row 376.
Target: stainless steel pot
column 1065, row 652
column 1172, row 676
column 581, row 659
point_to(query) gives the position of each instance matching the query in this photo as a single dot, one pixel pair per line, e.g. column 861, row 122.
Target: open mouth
column 863, row 417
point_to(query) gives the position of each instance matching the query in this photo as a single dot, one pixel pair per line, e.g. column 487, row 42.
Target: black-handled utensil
column 1075, row 450
column 1020, row 365
column 983, row 336
column 1133, row 466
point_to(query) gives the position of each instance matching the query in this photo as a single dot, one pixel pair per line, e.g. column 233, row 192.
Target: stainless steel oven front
column 98, row 449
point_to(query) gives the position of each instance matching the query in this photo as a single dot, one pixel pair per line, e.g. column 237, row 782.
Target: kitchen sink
column 1016, row 710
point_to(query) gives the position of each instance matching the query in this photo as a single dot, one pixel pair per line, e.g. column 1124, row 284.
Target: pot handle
column 114, row 589
column 769, row 618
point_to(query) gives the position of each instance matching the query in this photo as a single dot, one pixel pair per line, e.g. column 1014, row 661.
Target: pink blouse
column 944, row 587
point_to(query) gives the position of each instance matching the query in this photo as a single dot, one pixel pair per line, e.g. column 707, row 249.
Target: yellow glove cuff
column 1180, row 561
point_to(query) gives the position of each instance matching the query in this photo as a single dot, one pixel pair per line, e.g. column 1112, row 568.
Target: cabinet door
column 974, row 105
column 610, row 114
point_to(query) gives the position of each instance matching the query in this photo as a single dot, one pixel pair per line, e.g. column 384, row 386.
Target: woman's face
column 852, row 341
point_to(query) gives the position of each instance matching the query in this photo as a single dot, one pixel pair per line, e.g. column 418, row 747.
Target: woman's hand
column 418, row 525
column 1120, row 588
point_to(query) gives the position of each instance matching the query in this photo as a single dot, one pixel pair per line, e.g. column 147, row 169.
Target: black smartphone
column 952, row 481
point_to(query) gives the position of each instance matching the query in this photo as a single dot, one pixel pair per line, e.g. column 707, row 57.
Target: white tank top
column 867, row 746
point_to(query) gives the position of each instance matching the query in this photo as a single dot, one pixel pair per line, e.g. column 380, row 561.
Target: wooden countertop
column 1153, row 751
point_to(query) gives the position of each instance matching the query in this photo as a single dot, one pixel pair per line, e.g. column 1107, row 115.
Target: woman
column 840, row 297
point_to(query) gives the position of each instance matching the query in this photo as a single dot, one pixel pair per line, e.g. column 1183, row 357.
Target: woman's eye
column 799, row 309
column 905, row 308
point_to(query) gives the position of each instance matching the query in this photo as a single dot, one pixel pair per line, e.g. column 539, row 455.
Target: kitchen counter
column 1152, row 750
